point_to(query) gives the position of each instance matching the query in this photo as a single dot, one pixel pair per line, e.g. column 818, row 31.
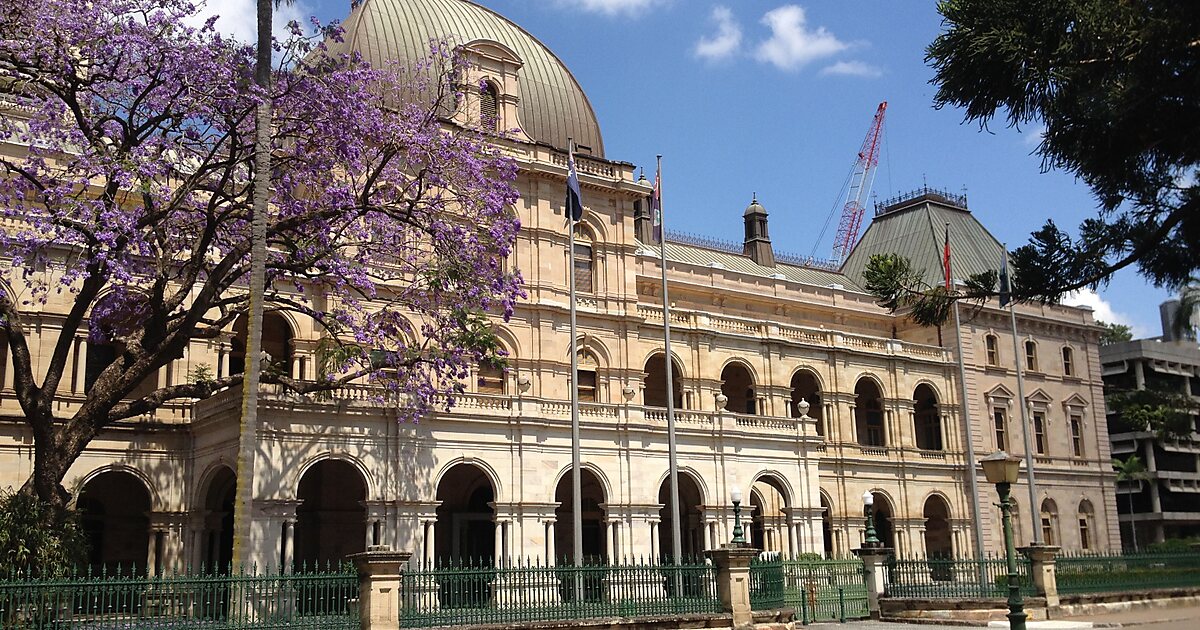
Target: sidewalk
column 1140, row 616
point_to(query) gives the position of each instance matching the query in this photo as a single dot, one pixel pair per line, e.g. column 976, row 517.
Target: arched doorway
column 768, row 518
column 738, row 386
column 331, row 521
column 465, row 531
column 939, row 543
column 691, row 524
column 827, row 526
column 276, row 342
column 882, row 508
column 595, row 545
column 217, row 546
column 927, row 419
column 114, row 512
column 805, row 387
column 656, row 382
column 868, row 413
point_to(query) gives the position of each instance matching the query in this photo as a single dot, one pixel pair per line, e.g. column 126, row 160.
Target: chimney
column 758, row 242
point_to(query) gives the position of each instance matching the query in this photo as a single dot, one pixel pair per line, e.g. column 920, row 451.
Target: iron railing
column 475, row 593
column 826, row 590
column 325, row 599
column 766, row 582
column 1133, row 572
column 951, row 578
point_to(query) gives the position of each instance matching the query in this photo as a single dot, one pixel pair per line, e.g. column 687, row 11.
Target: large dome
column 552, row 108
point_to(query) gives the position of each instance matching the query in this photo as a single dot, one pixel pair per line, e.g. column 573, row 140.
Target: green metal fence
column 1137, row 572
column 473, row 593
column 766, row 583
column 826, row 590
column 949, row 578
column 307, row 599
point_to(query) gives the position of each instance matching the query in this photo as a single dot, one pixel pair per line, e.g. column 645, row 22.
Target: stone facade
column 490, row 478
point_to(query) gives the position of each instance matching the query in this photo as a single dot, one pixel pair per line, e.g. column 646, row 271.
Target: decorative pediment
column 1076, row 401
column 1000, row 394
column 1039, row 398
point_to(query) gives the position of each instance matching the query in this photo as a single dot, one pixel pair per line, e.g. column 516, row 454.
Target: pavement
column 1183, row 618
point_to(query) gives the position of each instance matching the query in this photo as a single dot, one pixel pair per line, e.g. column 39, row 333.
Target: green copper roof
column 917, row 229
column 553, row 106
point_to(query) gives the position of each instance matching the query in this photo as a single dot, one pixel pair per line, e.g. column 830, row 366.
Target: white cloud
column 1033, row 136
column 792, row 44
column 726, row 41
column 1103, row 311
column 239, row 18
column 610, row 7
column 853, row 69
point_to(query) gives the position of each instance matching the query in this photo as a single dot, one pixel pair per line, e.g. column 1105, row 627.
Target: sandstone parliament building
column 755, row 332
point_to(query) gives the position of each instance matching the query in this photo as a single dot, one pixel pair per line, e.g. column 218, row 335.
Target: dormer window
column 489, row 106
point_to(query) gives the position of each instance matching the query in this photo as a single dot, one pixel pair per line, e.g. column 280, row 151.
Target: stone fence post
column 733, row 580
column 1043, row 571
column 874, row 565
column 379, row 583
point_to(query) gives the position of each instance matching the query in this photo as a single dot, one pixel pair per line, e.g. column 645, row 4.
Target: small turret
column 758, row 241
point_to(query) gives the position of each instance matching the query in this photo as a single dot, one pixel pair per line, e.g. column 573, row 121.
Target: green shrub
column 1174, row 545
column 33, row 541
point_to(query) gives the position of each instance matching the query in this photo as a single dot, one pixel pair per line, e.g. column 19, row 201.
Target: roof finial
column 754, row 197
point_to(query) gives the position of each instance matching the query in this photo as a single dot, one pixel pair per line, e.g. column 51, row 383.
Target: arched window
column 1049, row 521
column 1031, row 359
column 114, row 317
column 655, row 394
column 805, row 387
column 587, row 376
column 1068, row 357
column 1086, row 514
column 738, row 387
column 992, row 344
column 583, row 262
column 927, row 419
column 276, row 342
column 868, row 413
column 489, row 106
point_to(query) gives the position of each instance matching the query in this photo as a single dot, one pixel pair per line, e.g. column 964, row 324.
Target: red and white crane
column 862, row 178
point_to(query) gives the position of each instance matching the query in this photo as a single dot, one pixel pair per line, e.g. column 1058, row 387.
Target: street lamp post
column 1003, row 469
column 872, row 540
column 739, row 537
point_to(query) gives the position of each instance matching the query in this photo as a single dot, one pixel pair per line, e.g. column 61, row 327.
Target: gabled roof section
column 914, row 226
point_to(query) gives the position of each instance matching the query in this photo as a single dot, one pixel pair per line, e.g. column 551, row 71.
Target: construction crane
column 862, row 177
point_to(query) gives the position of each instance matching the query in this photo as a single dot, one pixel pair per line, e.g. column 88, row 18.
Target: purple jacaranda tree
column 126, row 194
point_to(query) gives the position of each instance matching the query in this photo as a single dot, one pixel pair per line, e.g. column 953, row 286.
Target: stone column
column 1044, row 574
column 653, row 540
column 551, row 550
column 733, row 581
column 380, row 572
column 289, row 544
column 874, row 565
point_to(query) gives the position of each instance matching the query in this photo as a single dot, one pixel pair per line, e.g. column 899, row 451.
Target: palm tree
column 1131, row 469
column 247, row 440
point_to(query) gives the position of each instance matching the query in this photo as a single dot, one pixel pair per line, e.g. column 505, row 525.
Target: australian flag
column 574, row 198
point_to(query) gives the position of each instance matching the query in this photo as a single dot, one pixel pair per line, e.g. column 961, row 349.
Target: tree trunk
column 53, row 456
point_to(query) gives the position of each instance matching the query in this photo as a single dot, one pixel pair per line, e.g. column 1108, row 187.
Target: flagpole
column 672, row 454
column 972, row 475
column 576, row 499
column 1034, row 508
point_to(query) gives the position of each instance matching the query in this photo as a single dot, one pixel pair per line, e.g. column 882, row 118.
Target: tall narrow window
column 587, row 376
column 489, row 106
column 582, row 267
column 1039, row 432
column 1085, row 524
column 1077, row 435
column 1000, row 425
column 491, row 379
column 1031, row 362
column 1068, row 362
column 1049, row 521
column 993, row 349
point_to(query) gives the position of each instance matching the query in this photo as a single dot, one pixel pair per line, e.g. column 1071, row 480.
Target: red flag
column 946, row 259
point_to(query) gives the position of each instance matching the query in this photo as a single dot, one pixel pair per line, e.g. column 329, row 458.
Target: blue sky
column 774, row 98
